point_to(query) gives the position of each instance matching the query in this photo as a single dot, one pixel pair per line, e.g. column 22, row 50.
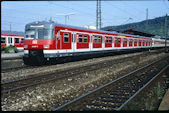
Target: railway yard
column 104, row 83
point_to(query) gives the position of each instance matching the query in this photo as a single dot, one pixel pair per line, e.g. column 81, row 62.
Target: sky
column 19, row 13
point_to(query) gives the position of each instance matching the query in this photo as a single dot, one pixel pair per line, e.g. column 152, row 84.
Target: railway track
column 35, row 79
column 19, row 68
column 117, row 93
column 12, row 69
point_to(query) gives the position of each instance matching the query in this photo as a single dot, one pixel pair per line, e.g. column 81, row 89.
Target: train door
column 58, row 39
column 10, row 41
column 119, row 42
column 130, row 42
column 66, row 40
column 124, row 42
column 135, row 42
column 112, row 41
column 103, row 42
column 97, row 41
column 115, row 41
column 90, row 42
column 73, row 41
column 143, row 43
column 83, row 41
column 108, row 41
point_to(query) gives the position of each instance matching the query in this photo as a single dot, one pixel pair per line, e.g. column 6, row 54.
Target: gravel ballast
column 50, row 95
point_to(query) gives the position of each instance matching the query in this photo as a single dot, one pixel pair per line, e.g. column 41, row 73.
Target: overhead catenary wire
column 122, row 10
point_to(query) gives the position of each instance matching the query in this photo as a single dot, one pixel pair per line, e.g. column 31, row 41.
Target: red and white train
column 49, row 40
column 12, row 39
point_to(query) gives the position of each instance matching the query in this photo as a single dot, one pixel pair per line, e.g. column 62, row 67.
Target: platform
column 11, row 55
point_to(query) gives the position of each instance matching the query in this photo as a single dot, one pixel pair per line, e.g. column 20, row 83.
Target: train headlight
column 25, row 46
column 46, row 46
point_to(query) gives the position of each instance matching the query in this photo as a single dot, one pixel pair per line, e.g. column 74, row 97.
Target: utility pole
column 146, row 20
column 166, row 33
column 100, row 22
column 98, row 14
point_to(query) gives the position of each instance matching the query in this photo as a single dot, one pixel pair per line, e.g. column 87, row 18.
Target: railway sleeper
column 106, row 105
column 94, row 108
column 113, row 97
column 112, row 100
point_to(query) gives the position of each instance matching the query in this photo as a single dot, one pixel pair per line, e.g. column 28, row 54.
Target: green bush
column 7, row 49
column 16, row 50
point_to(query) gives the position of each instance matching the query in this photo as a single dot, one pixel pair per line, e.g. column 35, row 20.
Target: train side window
column 66, row 37
column 85, row 39
column 131, row 40
column 95, row 39
column 99, row 39
column 115, row 40
column 119, row 40
column 80, row 38
column 16, row 40
column 139, row 41
column 125, row 41
column 3, row 40
column 135, row 41
column 58, row 35
column 22, row 40
column 107, row 39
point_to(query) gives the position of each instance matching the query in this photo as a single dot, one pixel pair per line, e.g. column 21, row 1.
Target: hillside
column 155, row 26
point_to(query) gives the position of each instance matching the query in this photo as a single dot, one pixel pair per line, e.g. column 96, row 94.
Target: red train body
column 12, row 39
column 46, row 40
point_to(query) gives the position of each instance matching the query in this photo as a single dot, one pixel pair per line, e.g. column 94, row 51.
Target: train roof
column 12, row 32
column 53, row 24
column 113, row 32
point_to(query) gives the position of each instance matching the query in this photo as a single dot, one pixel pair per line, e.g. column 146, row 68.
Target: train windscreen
column 44, row 34
column 30, row 34
column 39, row 34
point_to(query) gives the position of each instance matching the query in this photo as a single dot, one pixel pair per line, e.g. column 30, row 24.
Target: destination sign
column 37, row 26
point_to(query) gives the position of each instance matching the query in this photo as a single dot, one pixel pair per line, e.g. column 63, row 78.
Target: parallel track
column 117, row 93
column 35, row 79
column 29, row 67
column 14, row 69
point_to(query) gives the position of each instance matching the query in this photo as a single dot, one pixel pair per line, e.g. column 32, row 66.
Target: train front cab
column 38, row 38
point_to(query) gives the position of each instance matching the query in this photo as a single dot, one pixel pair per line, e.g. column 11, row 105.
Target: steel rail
column 92, row 91
column 141, row 88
